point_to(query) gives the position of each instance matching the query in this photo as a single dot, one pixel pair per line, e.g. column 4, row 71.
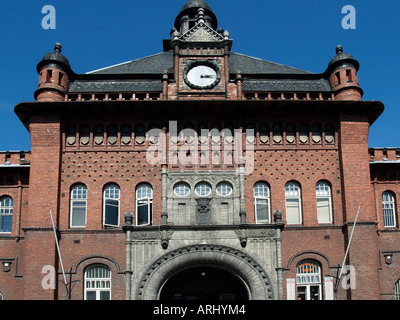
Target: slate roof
column 145, row 74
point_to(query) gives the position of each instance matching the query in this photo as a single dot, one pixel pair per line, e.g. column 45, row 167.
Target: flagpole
column 58, row 249
column 348, row 247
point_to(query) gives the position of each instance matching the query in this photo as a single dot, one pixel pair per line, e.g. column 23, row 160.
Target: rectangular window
column 60, row 78
column 78, row 213
column 337, row 74
column 262, row 210
column 293, row 213
column 349, row 76
column 111, row 212
column 323, row 210
column 143, row 214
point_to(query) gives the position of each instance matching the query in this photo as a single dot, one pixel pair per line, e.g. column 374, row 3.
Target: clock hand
column 207, row 76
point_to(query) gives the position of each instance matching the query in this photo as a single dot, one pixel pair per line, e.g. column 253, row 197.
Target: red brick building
column 199, row 173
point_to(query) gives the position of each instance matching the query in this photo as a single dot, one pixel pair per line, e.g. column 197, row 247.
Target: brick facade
column 96, row 138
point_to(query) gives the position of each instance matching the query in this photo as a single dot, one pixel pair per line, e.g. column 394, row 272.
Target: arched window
column 261, row 202
column 181, row 189
column 78, row 206
column 388, row 206
column 324, row 203
column 224, row 189
column 308, row 280
column 97, row 283
column 202, row 189
column 293, row 203
column 111, row 196
column 6, row 214
column 144, row 204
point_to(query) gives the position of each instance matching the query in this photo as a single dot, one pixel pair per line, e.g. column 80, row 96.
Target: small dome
column 190, row 9
column 196, row 4
column 54, row 57
column 342, row 59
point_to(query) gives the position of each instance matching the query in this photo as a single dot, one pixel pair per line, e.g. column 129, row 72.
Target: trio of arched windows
column 292, row 202
column 111, row 205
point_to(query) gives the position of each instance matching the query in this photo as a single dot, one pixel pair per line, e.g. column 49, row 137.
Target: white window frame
column 112, row 193
column 323, row 192
column 308, row 275
column 144, row 197
column 261, row 195
column 396, row 292
column 78, row 194
column 293, row 193
column 182, row 189
column 6, row 209
column 203, row 189
column 224, row 189
column 97, row 278
column 388, row 210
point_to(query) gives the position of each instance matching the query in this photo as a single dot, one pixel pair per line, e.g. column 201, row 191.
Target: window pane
column 292, row 190
column 182, row 189
column 90, row 295
column 323, row 210
column 203, row 189
column 144, row 191
column 111, row 192
column 261, row 190
column 224, row 189
column 314, row 292
column 143, row 210
column 78, row 216
column 323, row 189
column 293, row 211
column 104, row 295
column 388, row 210
column 262, row 210
column 79, row 192
column 111, row 212
column 301, row 293
column 5, row 223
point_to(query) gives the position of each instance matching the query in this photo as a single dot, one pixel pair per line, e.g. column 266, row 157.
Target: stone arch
column 96, row 259
column 309, row 254
column 253, row 275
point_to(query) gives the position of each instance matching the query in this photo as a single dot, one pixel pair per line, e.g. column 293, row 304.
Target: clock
column 202, row 75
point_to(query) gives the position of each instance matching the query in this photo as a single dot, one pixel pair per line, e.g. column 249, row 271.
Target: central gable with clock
column 201, row 54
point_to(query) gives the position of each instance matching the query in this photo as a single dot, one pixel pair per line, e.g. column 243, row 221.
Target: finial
column 339, row 49
column 57, row 47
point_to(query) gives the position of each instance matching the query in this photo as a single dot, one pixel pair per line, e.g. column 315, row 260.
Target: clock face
column 202, row 76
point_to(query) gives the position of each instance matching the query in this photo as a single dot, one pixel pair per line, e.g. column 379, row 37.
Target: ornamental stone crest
column 203, row 211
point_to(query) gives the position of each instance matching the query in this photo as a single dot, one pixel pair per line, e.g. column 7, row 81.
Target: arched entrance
column 204, row 283
column 230, row 262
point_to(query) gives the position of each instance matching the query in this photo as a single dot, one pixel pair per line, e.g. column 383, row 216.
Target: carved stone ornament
column 203, row 211
column 201, row 33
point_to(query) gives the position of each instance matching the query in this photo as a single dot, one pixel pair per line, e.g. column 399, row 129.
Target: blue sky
column 301, row 34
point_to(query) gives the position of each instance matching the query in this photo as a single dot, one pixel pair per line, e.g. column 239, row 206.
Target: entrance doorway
column 204, row 283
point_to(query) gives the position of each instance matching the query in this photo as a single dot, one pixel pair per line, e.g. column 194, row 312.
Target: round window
column 182, row 189
column 224, row 189
column 203, row 189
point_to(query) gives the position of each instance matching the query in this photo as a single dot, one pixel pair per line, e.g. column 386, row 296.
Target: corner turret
column 342, row 70
column 54, row 76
